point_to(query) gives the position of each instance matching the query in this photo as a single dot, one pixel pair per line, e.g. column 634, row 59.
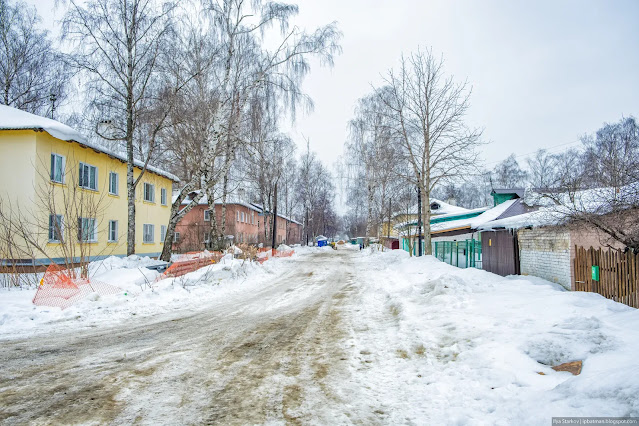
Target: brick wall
column 546, row 253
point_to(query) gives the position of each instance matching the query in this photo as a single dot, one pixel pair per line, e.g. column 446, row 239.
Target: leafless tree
column 32, row 72
column 373, row 149
column 544, row 170
column 599, row 187
column 508, row 174
column 316, row 193
column 427, row 110
column 119, row 46
column 244, row 67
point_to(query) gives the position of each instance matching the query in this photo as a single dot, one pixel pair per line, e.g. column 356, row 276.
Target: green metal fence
column 463, row 254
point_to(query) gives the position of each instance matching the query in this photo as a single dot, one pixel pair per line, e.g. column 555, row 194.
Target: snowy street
column 340, row 337
column 251, row 359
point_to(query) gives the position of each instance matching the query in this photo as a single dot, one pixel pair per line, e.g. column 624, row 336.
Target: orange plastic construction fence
column 265, row 254
column 284, row 253
column 190, row 262
column 62, row 288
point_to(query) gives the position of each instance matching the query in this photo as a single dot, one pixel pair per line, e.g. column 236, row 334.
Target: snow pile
column 434, row 344
column 140, row 295
column 113, row 262
column 312, row 249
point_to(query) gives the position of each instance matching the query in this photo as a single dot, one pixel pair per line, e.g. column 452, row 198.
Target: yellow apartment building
column 63, row 197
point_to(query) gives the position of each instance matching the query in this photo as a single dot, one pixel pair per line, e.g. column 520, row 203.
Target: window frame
column 115, row 230
column 82, row 174
column 54, row 161
column 146, row 226
column 162, row 233
column 52, row 230
column 151, row 192
column 81, row 228
column 117, row 183
column 163, row 196
column 207, row 215
column 176, row 237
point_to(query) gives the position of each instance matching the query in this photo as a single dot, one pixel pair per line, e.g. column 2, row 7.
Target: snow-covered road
column 267, row 356
column 339, row 337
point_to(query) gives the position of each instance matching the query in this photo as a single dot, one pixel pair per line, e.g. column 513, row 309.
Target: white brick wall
column 545, row 253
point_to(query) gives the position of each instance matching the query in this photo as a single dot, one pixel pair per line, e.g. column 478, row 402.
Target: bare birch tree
column 243, row 67
column 33, row 77
column 373, row 149
column 427, row 110
column 118, row 45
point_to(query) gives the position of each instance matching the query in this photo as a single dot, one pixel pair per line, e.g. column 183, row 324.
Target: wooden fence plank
column 618, row 274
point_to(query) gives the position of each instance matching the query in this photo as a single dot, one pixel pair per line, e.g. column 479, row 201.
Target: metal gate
column 500, row 252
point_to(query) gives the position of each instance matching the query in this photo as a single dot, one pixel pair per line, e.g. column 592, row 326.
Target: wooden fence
column 618, row 274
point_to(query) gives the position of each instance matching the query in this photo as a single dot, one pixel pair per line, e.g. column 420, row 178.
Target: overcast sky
column 543, row 72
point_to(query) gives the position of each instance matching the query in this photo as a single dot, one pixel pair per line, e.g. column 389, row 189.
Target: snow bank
column 434, row 344
column 140, row 295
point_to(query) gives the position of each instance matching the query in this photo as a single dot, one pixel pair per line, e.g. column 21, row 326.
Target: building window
column 55, row 228
column 242, row 217
column 149, row 192
column 57, row 168
column 148, row 232
column 113, row 231
column 163, row 196
column 113, row 183
column 237, row 216
column 162, row 233
column 87, row 230
column 207, row 215
column 88, row 176
column 176, row 237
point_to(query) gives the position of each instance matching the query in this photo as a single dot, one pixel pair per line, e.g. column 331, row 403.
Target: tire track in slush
column 269, row 356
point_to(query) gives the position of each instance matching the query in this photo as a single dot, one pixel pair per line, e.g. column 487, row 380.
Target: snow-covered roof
column 15, row 119
column 466, row 211
column 444, row 209
column 550, row 212
column 473, row 222
column 204, row 201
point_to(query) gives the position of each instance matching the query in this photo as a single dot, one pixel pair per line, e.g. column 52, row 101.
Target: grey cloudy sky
column 542, row 72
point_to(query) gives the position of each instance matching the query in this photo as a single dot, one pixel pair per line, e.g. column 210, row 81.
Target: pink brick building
column 244, row 224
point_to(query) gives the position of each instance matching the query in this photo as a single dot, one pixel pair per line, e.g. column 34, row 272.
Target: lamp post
column 53, row 98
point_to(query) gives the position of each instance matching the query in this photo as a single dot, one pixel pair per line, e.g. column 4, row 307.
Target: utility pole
column 306, row 226
column 419, row 221
column 388, row 232
column 274, row 219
